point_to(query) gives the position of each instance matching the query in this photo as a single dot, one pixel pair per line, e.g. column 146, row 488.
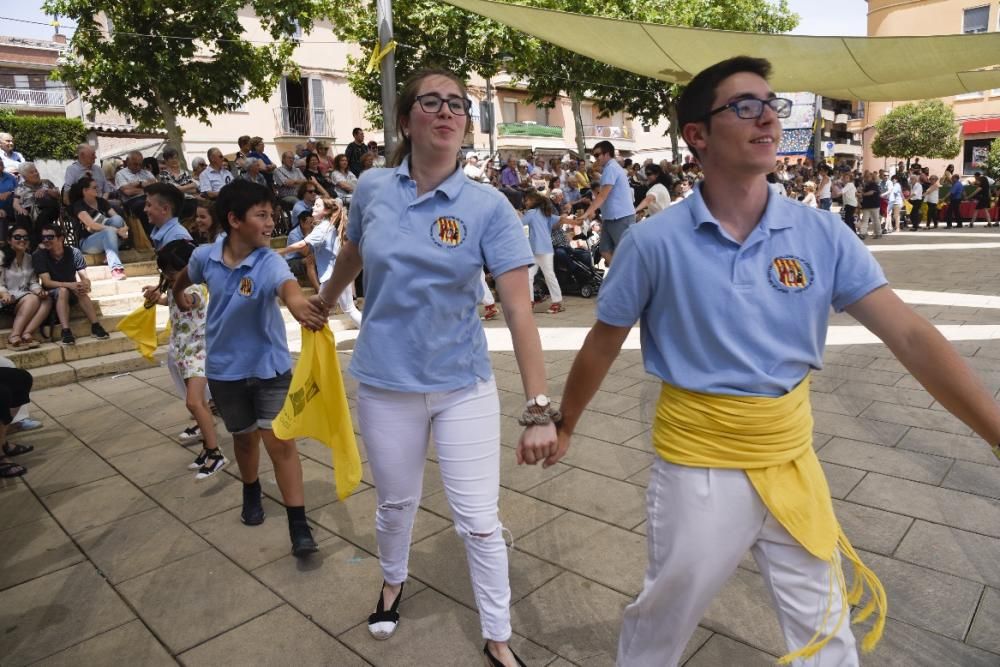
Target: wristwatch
column 540, row 401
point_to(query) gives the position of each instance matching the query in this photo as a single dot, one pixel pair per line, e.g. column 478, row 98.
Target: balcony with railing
column 303, row 122
column 22, row 98
column 608, row 132
column 528, row 130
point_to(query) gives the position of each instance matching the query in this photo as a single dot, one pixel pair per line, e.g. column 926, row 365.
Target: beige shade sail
column 866, row 68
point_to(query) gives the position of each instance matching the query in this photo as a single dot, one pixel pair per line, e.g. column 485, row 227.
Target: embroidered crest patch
column 790, row 274
column 448, row 232
column 246, row 286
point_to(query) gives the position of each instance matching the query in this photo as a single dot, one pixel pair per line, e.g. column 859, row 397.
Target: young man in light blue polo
column 733, row 287
column 248, row 365
column 614, row 199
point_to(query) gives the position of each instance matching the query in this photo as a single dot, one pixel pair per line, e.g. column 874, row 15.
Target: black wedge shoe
column 491, row 660
column 382, row 624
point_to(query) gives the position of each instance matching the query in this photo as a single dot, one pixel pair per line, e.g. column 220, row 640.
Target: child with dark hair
column 248, row 365
column 163, row 204
column 187, row 351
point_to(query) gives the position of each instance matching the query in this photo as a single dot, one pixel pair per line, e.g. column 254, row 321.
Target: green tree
column 173, row 58
column 991, row 166
column 922, row 129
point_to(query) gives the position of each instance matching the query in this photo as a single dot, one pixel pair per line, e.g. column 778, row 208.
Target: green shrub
column 44, row 138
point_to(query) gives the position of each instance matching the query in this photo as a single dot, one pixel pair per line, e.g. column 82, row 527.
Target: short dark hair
column 604, row 147
column 175, row 255
column 303, row 215
column 53, row 227
column 699, row 95
column 167, row 193
column 240, row 196
column 356, row 130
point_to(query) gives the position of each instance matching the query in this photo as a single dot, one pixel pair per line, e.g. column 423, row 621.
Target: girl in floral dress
column 187, row 349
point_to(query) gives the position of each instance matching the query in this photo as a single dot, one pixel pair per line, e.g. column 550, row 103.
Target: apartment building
column 25, row 65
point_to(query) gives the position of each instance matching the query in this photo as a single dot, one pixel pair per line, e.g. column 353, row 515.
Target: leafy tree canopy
column 922, row 129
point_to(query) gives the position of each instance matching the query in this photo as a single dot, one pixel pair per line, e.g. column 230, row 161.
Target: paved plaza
column 111, row 553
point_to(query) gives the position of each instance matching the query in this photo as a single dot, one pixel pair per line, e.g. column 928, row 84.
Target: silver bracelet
column 549, row 416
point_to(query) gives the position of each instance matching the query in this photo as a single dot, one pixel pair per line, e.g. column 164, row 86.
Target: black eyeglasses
column 18, row 237
column 48, row 237
column 310, row 192
column 431, row 103
column 751, row 108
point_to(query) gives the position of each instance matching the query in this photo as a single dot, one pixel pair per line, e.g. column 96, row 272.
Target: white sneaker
column 190, row 434
column 214, row 462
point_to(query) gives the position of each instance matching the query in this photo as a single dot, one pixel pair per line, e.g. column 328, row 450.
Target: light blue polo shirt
column 723, row 318
column 539, row 231
column 294, row 236
column 619, row 203
column 422, row 262
column 297, row 210
column 322, row 241
column 172, row 230
column 244, row 332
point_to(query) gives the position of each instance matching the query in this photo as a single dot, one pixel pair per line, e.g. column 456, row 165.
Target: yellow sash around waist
column 771, row 439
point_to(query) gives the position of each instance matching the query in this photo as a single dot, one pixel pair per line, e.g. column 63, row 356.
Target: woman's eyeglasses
column 432, row 103
column 18, row 237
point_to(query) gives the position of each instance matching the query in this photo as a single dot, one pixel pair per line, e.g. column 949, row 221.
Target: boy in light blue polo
column 163, row 201
column 248, row 364
column 614, row 199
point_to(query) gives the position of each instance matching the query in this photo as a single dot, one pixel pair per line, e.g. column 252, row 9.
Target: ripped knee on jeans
column 400, row 506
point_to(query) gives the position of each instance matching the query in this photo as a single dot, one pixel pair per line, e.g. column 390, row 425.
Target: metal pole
column 818, row 137
column 388, row 72
column 493, row 125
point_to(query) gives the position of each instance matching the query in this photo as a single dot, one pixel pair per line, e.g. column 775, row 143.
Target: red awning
column 982, row 126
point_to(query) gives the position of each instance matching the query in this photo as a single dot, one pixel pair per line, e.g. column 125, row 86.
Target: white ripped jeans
column 465, row 424
column 487, row 298
column 545, row 263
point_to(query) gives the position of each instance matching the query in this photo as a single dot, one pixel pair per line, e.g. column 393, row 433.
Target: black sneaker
column 303, row 543
column 199, row 460
column 68, row 338
column 253, row 510
column 214, row 462
column 98, row 332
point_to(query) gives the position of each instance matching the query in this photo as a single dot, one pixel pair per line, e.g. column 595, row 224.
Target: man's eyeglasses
column 751, row 108
column 432, row 102
column 18, row 237
column 48, row 237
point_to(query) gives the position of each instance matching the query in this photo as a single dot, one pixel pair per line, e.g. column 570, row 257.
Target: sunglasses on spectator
column 310, row 192
column 19, row 237
column 432, row 103
column 48, row 237
column 751, row 108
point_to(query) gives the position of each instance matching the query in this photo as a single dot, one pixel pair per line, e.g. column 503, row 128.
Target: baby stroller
column 575, row 272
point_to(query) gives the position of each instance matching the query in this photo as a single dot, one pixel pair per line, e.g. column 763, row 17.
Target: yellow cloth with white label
column 316, row 407
column 771, row 440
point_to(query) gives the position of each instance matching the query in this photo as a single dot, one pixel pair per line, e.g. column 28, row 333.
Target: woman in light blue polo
column 423, row 232
column 540, row 218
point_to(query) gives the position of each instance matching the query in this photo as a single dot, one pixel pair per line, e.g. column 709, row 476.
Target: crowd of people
column 735, row 467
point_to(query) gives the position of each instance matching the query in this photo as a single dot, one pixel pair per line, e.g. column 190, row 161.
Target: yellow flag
column 316, row 407
column 378, row 53
column 140, row 326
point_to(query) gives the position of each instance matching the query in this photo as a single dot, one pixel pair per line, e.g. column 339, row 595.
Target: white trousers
column 701, row 521
column 346, row 303
column 548, row 271
column 487, row 299
column 465, row 424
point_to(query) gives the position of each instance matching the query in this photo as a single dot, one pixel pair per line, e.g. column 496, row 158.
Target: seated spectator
column 12, row 160
column 179, row 177
column 215, row 175
column 510, row 184
column 325, row 159
column 377, row 159
column 197, row 166
column 21, row 295
column 62, row 272
column 86, row 157
column 101, row 228
column 240, row 161
column 152, row 165
column 15, row 385
column 36, row 201
column 344, row 180
column 8, row 184
column 267, row 167
column 303, row 265
column 288, row 178
column 312, row 174
column 163, row 201
column 472, row 168
column 657, row 196
column 207, row 226
column 367, row 162
column 131, row 183
column 252, row 172
column 308, row 192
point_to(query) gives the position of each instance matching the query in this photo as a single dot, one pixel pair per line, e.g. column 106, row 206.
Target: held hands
column 318, row 302
column 539, row 444
column 309, row 313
